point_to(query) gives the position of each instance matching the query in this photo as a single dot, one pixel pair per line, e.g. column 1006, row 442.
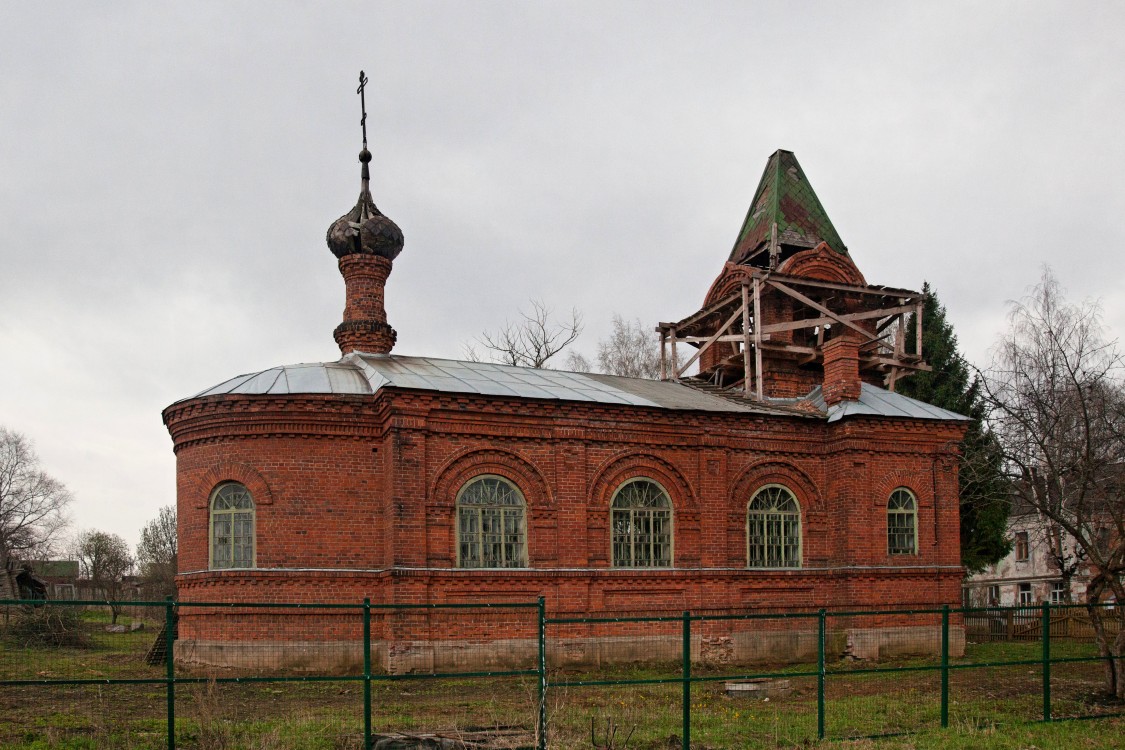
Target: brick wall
column 355, row 497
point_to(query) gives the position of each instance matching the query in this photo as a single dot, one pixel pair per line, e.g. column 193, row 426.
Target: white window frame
column 641, row 536
column 902, row 495
column 217, row 515
column 772, row 523
column 492, row 528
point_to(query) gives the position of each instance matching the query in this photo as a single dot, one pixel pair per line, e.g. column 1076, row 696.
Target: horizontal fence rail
column 811, row 674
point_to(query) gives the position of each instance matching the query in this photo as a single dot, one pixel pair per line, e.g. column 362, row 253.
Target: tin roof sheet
column 365, row 374
column 874, row 401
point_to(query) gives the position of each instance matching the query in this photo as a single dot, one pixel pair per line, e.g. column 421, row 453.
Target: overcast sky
column 168, row 171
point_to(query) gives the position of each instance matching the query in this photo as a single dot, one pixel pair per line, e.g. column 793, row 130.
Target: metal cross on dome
column 363, row 105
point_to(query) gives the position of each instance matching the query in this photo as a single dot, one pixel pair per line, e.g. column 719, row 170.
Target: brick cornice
column 233, row 417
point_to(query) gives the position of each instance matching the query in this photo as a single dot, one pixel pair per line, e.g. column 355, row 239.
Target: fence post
column 542, row 674
column 687, row 680
column 170, row 668
column 820, row 637
column 366, row 673
column 1046, row 628
column 945, row 666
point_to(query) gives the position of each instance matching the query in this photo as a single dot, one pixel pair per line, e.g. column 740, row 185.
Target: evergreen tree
column 984, row 496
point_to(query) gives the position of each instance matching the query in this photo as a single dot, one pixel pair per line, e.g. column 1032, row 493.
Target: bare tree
column 630, row 350
column 32, row 503
column 1057, row 404
column 105, row 561
column 156, row 553
column 530, row 341
column 577, row 362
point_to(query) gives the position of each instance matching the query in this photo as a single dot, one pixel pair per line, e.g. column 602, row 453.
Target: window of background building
column 1054, row 541
column 641, row 519
column 773, row 529
column 1058, row 593
column 1022, row 547
column 491, row 528
column 1025, row 593
column 1101, row 539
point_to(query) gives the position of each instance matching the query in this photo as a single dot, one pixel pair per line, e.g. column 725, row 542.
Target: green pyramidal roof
column 785, row 198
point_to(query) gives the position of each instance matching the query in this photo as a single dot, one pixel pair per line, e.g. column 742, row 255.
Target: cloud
column 168, row 172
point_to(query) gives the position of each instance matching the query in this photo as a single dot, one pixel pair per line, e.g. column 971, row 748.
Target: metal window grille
column 773, row 529
column 491, row 527
column 642, row 526
column 902, row 518
column 232, row 527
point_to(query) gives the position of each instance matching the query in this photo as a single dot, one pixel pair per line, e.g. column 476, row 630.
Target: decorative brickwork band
column 365, row 327
column 841, row 369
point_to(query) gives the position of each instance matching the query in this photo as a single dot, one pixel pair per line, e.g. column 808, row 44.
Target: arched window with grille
column 902, row 523
column 491, row 524
column 773, row 529
column 641, row 518
column 232, row 527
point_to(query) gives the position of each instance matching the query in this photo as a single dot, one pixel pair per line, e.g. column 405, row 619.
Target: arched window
column 902, row 523
column 491, row 527
column 641, row 516
column 773, row 529
column 232, row 527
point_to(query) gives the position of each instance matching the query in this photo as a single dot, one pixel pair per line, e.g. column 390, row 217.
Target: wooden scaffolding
column 820, row 309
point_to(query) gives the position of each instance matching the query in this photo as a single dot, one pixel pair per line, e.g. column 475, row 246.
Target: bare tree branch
column 630, row 350
column 530, row 341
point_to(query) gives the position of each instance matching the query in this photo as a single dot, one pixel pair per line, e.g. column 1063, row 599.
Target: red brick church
column 786, row 472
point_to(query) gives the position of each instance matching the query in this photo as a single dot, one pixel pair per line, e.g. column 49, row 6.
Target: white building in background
column 1031, row 572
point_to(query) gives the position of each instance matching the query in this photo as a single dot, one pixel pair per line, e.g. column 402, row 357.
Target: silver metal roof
column 874, row 401
column 364, row 374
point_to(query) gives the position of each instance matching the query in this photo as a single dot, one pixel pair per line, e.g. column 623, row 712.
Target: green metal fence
column 373, row 669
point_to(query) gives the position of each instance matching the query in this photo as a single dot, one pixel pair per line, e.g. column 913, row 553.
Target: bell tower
column 790, row 312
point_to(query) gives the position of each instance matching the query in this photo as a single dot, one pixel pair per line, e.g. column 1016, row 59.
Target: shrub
column 49, row 627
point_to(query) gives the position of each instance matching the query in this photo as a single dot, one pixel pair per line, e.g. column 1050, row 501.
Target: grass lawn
column 989, row 707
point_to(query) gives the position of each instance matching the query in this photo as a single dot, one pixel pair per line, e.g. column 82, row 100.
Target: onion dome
column 365, row 230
